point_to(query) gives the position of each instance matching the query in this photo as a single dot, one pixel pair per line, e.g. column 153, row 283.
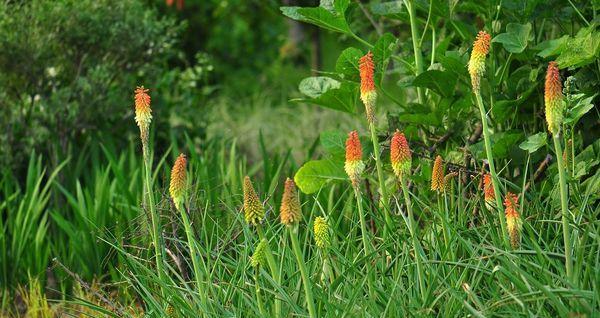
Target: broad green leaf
column 502, row 144
column 334, row 142
column 516, row 37
column 314, row 174
column 320, row 16
column 582, row 106
column 581, row 50
column 441, row 82
column 314, row 87
column 504, row 108
column 387, row 8
column 423, row 119
column 533, row 143
column 551, row 47
column 329, row 93
column 382, row 50
column 347, row 63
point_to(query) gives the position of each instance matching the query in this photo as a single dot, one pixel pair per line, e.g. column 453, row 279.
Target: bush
column 67, row 69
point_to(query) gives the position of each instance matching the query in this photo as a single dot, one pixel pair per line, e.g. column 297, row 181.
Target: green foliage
column 71, row 71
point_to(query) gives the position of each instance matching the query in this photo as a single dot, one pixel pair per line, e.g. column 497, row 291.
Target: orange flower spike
column 448, row 180
column 178, row 179
column 437, row 175
column 254, row 211
column 354, row 165
column 400, row 155
column 553, row 99
column 143, row 112
column 368, row 94
column 513, row 219
column 488, row 189
column 481, row 48
column 290, row 212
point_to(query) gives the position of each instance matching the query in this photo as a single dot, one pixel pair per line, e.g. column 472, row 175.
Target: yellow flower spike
column 437, row 175
column 321, row 231
column 368, row 94
column 258, row 258
column 513, row 219
column 290, row 212
column 553, row 99
column 354, row 165
column 254, row 211
column 143, row 113
column 400, row 155
column 481, row 48
column 178, row 179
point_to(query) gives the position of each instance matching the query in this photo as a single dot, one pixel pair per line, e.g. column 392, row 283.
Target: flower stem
column 259, row 301
column 366, row 246
column 193, row 255
column 155, row 218
column 564, row 206
column 306, row 282
column 416, row 45
column 490, row 156
column 389, row 225
column 272, row 267
column 413, row 234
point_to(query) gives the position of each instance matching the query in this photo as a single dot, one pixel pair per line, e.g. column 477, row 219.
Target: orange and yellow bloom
column 488, row 190
column 354, row 165
column 368, row 94
column 254, row 211
column 400, row 155
column 143, row 112
column 178, row 179
column 290, row 212
column 481, row 47
column 513, row 219
column 553, row 99
column 437, row 175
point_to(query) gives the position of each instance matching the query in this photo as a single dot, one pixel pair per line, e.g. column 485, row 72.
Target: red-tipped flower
column 488, row 190
column 354, row 165
column 400, row 155
column 178, row 178
column 553, row 98
column 481, row 47
column 290, row 212
column 143, row 112
column 368, row 94
column 437, row 175
column 513, row 219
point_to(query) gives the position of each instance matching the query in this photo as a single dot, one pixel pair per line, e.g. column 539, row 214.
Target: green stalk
column 443, row 217
column 272, row 267
column 413, row 234
column 196, row 267
column 366, row 245
column 416, row 46
column 158, row 248
column 564, row 206
column 259, row 301
column 389, row 225
column 306, row 282
column 490, row 157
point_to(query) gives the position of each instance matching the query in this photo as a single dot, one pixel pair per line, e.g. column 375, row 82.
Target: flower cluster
column 437, row 175
column 258, row 258
column 368, row 94
column 354, row 165
column 290, row 212
column 321, row 231
column 481, row 47
column 254, row 211
column 143, row 113
column 553, row 99
column 513, row 219
column 400, row 155
column 178, row 178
